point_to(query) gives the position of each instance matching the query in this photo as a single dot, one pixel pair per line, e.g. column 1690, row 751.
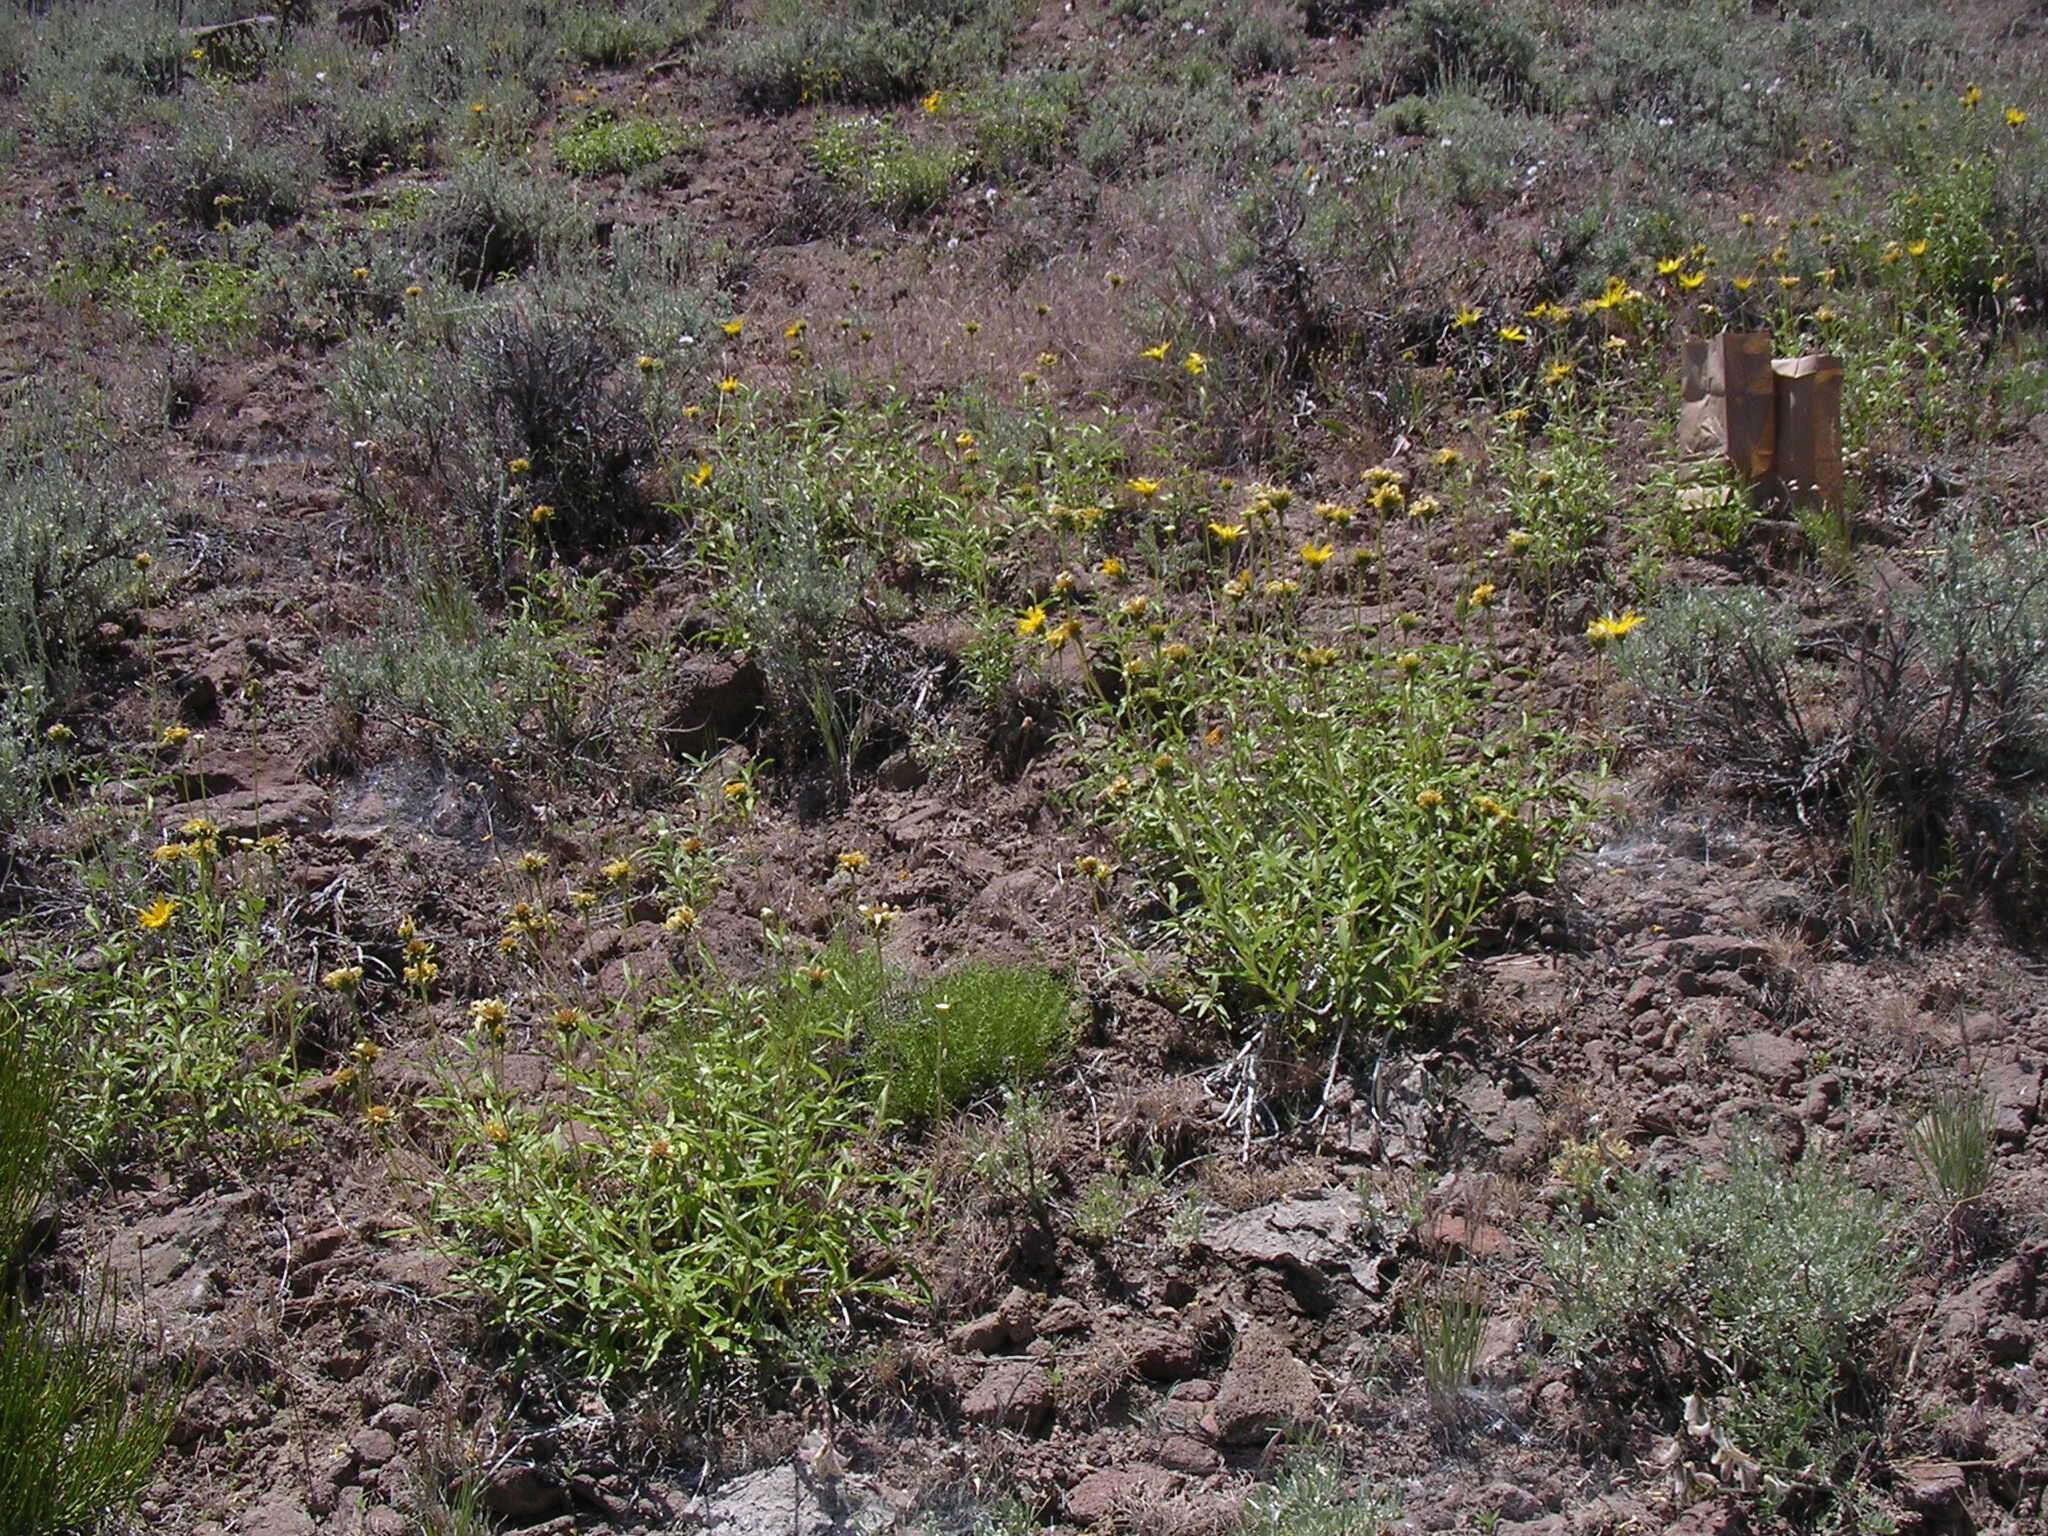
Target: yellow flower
column 879, row 915
column 533, row 862
column 361, row 274
column 659, row 1149
column 1424, row 506
column 541, row 515
column 1602, row 632
column 422, row 972
column 1465, row 318
column 701, row 477
column 618, row 871
column 174, row 736
column 1318, row 657
column 647, row 364
column 728, row 385
column 364, row 1052
column 170, row 853
column 733, row 327
column 1483, row 595
column 1388, row 496
column 157, row 914
column 583, row 901
column 1429, row 800
column 1893, row 253
column 734, row 790
column 681, row 918
column 1486, row 805
column 934, row 102
column 794, row 330
column 1443, row 458
column 1788, row 281
column 379, row 1115
column 1227, row 533
column 1313, row 554
column 1560, row 370
column 1972, row 94
column 496, row 1132
column 518, row 466
column 1550, row 312
column 1513, row 333
column 1156, row 354
column 2015, row 118
column 1143, row 489
column 1063, row 634
column 1692, row 281
column 1281, row 586
column 1110, row 567
column 1195, row 365
column 1744, row 283
column 1134, row 606
column 1032, row 620
column 489, row 1013
column 1670, row 266
column 1916, row 248
column 1615, row 344
column 1095, row 869
column 1335, row 513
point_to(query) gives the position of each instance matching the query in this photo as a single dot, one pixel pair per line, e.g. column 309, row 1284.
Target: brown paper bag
column 1729, row 407
column 1808, row 471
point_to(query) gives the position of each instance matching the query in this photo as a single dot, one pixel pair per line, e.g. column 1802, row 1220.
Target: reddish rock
column 1102, row 1496
column 1266, row 1392
column 1012, row 1394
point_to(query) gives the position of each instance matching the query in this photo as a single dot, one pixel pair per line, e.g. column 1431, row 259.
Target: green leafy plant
column 876, row 164
column 719, row 1196
column 605, row 144
column 1323, row 850
column 1755, row 1289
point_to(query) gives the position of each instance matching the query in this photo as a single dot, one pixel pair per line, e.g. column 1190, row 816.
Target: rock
column 293, row 809
column 278, row 1515
column 1721, row 952
column 1778, row 1061
column 777, row 1501
column 1008, row 1328
column 1265, row 1392
column 1327, row 1232
column 1103, row 1495
column 2014, row 1091
column 1511, row 1502
column 716, row 698
column 1064, row 1316
column 523, row 1493
column 1184, row 1453
column 1542, row 1525
column 1160, row 1354
column 397, row 1418
column 1719, row 1518
column 373, row 1447
column 1012, row 1394
column 1931, row 1488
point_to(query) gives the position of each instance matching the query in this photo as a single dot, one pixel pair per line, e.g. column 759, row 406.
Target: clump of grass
column 1952, row 1144
column 1309, row 1498
column 876, row 164
column 973, row 1028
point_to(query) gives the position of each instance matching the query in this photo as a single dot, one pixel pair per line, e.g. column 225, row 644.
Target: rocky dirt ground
column 1691, row 970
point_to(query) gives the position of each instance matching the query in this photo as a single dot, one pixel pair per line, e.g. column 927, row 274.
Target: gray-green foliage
column 876, row 163
column 604, row 143
column 866, row 53
column 1757, row 1288
column 974, row 1027
column 1309, row 1498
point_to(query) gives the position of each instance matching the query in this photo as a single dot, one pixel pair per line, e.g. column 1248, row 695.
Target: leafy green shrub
column 1325, row 861
column 365, row 134
column 972, row 1028
column 176, row 1040
column 1021, row 123
column 1561, row 493
column 1758, row 1290
column 876, row 163
column 605, row 144
column 718, row 1202
column 206, row 304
